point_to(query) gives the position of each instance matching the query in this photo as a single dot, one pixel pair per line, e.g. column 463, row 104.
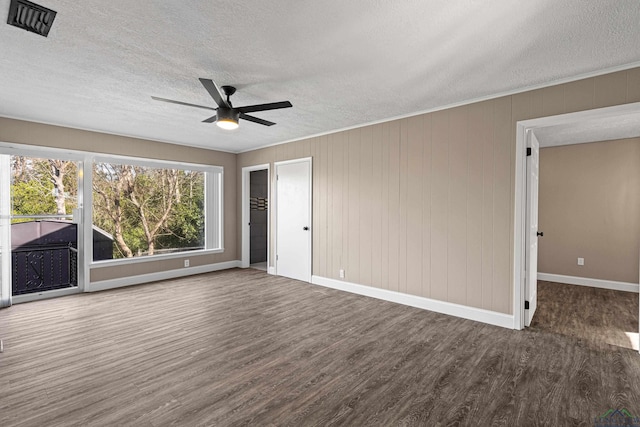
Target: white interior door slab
column 293, row 219
column 531, row 268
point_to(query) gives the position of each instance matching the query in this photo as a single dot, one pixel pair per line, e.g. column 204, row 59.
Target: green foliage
column 32, row 198
column 33, row 191
column 186, row 225
column 134, row 236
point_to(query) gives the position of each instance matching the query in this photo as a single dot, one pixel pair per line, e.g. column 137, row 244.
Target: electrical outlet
column 341, row 273
column 580, row 261
column 186, row 263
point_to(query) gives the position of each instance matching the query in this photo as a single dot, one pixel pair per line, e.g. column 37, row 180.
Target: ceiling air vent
column 31, row 17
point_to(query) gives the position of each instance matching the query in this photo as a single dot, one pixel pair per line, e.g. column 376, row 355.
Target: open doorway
column 590, row 308
column 258, row 218
column 255, row 217
column 588, row 258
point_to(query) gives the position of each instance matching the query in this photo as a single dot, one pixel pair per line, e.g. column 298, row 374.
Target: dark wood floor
column 240, row 347
column 599, row 317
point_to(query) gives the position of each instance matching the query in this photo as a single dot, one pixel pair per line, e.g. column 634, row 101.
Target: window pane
column 42, row 188
column 147, row 211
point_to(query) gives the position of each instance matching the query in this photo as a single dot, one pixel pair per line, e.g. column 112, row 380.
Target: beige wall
column 425, row 205
column 23, row 132
column 590, row 208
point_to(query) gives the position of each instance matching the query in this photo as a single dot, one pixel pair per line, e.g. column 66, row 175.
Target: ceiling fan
column 227, row 116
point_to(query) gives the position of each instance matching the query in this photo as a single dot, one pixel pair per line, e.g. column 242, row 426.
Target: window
column 43, row 188
column 144, row 210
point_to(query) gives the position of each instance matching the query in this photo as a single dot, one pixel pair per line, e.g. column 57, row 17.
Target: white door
column 293, row 219
column 531, row 278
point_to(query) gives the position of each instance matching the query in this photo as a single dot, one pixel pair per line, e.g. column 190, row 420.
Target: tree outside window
column 149, row 211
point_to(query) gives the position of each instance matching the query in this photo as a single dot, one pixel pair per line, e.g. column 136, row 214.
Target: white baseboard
column 471, row 313
column 162, row 275
column 585, row 281
column 272, row 270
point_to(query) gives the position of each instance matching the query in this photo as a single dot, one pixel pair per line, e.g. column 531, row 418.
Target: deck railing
column 43, row 268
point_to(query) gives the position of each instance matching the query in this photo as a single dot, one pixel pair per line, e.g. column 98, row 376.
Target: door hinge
column 276, row 257
column 528, row 151
column 526, row 305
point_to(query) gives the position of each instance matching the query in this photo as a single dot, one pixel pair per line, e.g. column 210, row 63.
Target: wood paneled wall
column 424, row 205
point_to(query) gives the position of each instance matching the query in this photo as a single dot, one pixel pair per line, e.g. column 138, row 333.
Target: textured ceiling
column 341, row 63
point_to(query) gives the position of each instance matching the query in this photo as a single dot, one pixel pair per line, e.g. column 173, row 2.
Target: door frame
column 532, row 208
column 523, row 127
column 245, row 260
column 275, row 201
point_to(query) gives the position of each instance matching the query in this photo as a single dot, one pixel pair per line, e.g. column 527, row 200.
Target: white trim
column 272, row 270
column 522, row 127
column 37, row 296
column 246, row 213
column 84, row 191
column 457, row 310
column 561, row 119
column 458, row 104
column 39, row 151
column 83, row 195
column 301, row 159
column 594, row 283
column 214, row 210
column 162, row 275
column 153, row 163
column 5, row 230
column 519, row 227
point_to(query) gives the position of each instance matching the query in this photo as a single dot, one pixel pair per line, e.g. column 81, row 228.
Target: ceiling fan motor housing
column 228, row 114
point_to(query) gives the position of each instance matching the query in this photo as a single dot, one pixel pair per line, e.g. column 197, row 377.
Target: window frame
column 213, row 209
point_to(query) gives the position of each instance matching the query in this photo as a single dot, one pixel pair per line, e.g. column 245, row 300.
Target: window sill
column 144, row 259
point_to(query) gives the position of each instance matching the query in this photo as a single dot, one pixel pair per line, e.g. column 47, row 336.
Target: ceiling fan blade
column 256, row 120
column 215, row 93
column 264, row 107
column 182, row 103
column 211, row 119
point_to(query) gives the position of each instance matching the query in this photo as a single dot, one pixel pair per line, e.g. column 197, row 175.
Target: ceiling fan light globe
column 227, row 124
column 228, row 118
